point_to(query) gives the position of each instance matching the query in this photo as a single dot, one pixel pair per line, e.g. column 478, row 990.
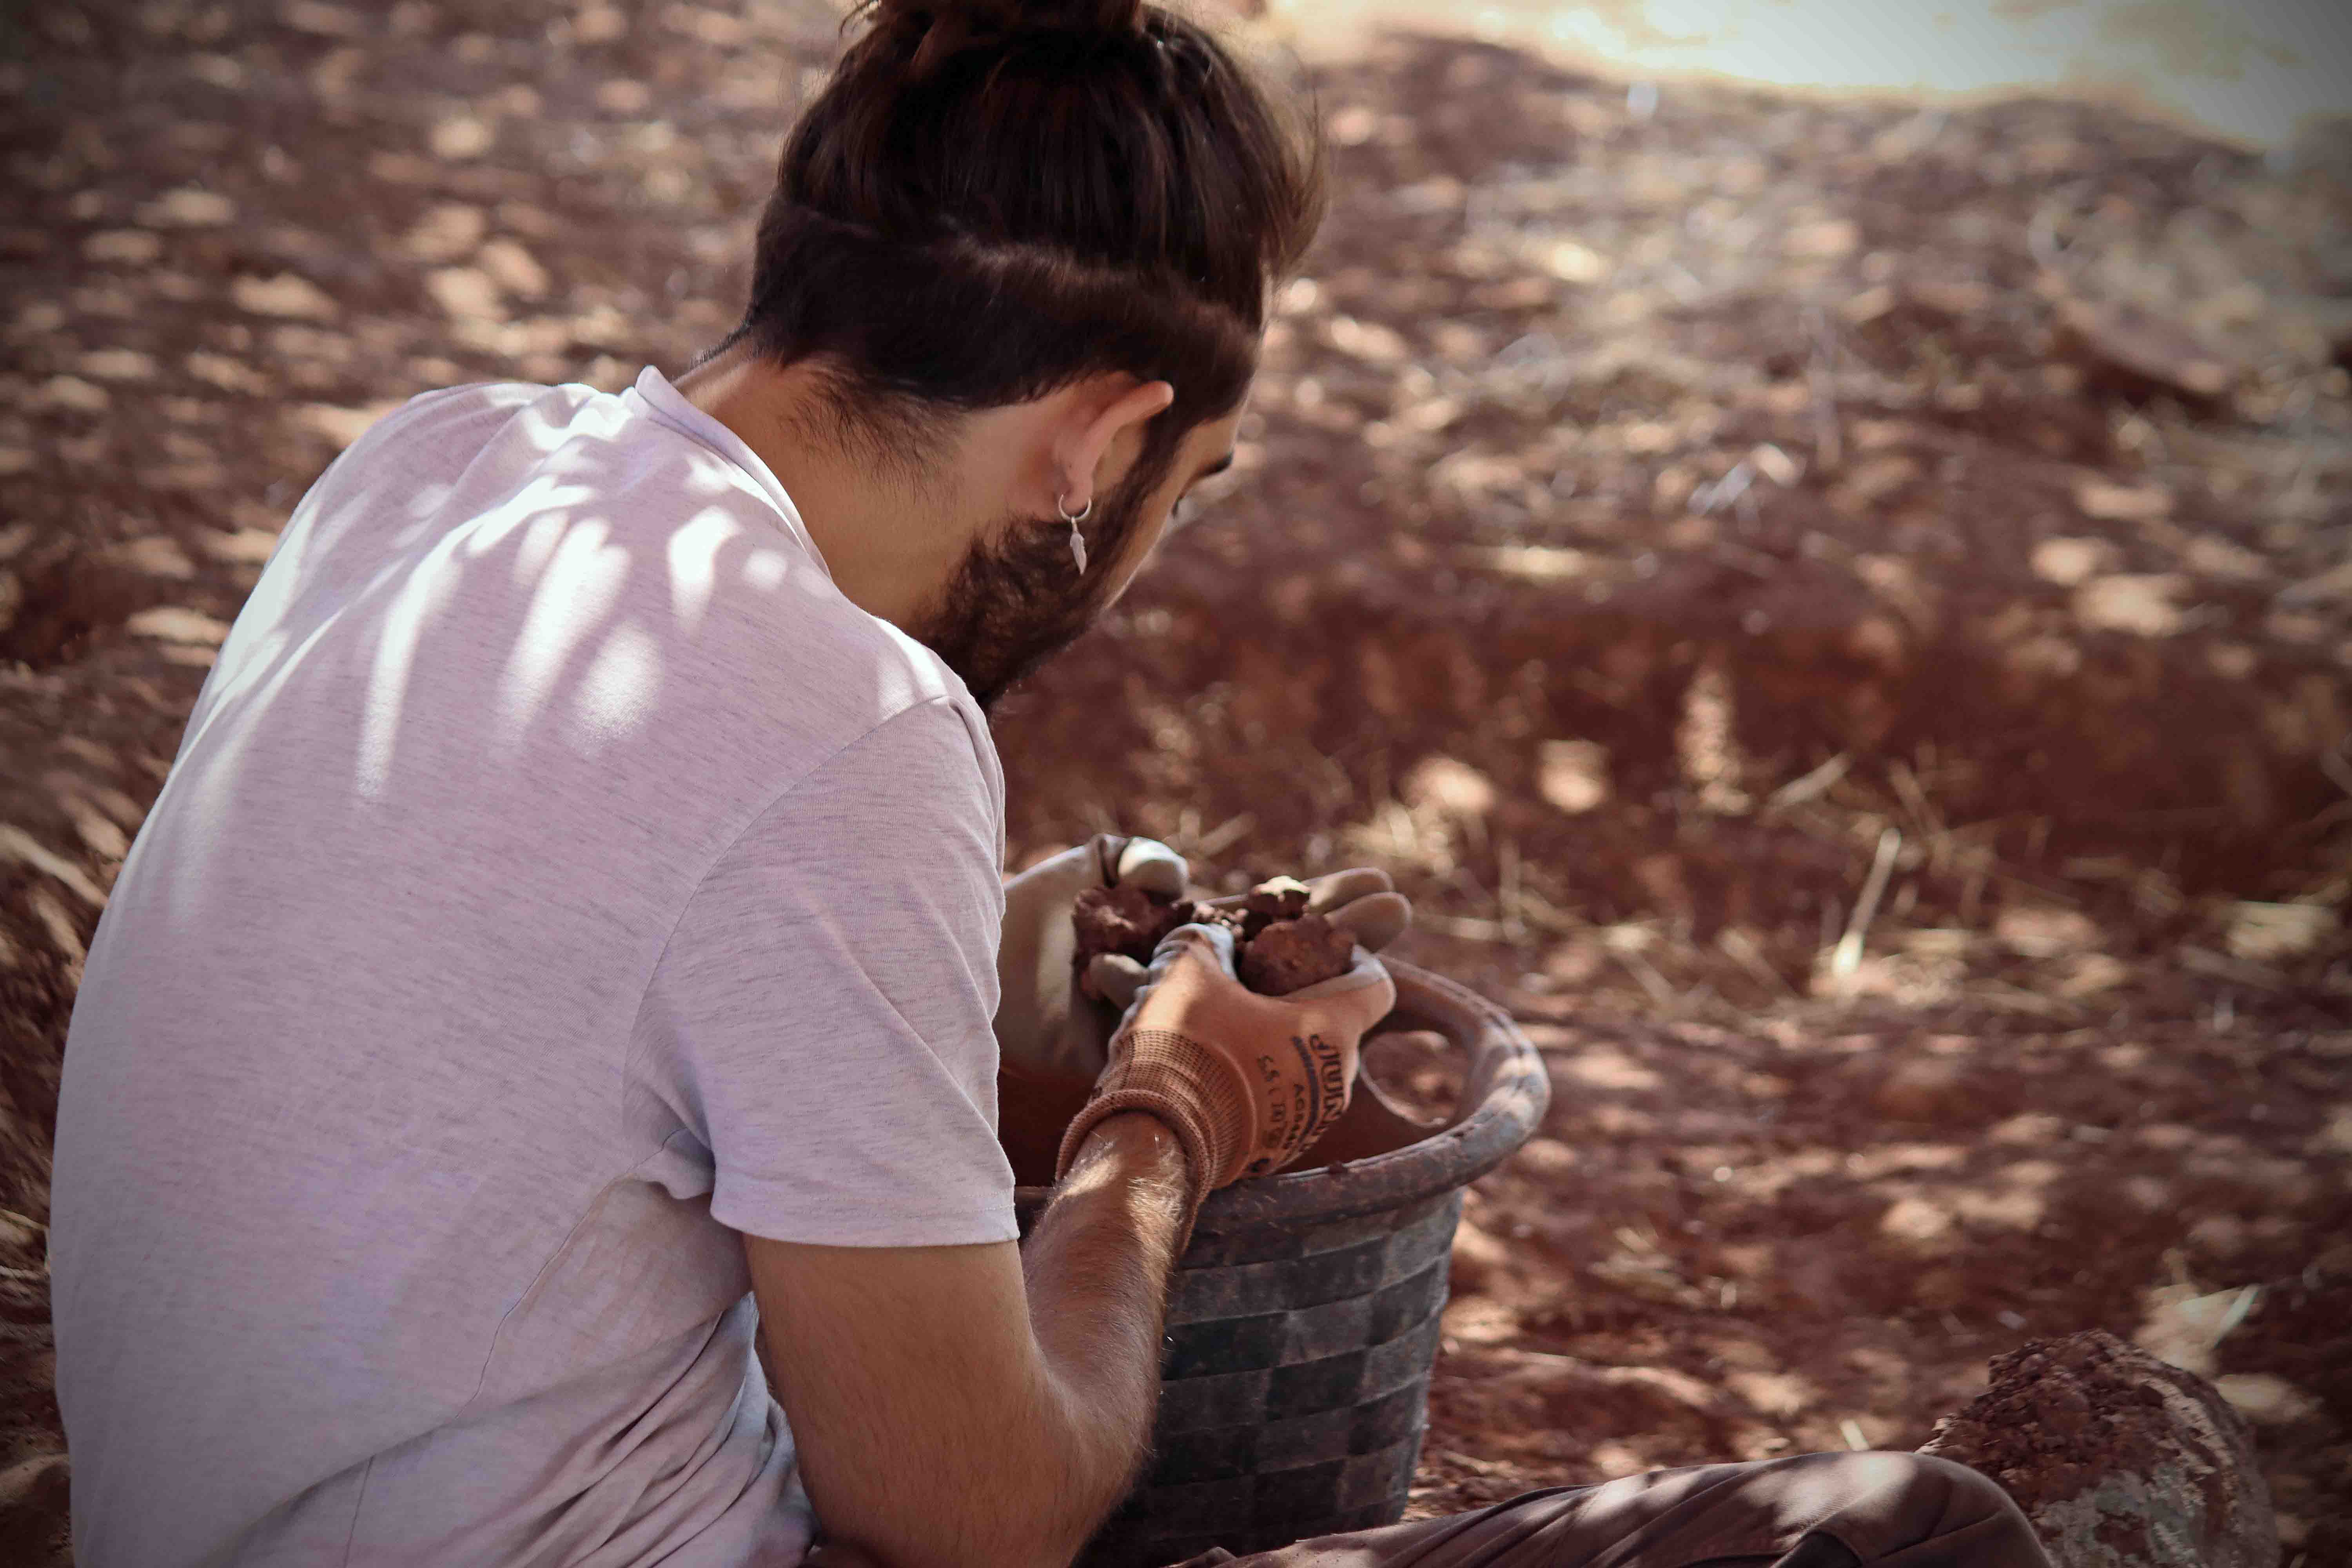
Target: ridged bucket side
column 1295, row 1389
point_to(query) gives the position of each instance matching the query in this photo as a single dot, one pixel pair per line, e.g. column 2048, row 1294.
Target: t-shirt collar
column 669, row 406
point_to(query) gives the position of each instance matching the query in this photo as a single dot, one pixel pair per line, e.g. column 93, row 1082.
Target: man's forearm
column 1096, row 1269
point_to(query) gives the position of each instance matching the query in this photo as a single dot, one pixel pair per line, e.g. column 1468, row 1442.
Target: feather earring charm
column 1077, row 539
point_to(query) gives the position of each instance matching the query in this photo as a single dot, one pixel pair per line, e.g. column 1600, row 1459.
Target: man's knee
column 1972, row 1491
column 1927, row 1499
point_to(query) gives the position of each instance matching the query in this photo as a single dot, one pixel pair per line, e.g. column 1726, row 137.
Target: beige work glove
column 1245, row 1082
column 1044, row 1026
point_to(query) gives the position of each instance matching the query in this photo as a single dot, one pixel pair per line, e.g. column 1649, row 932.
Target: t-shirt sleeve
column 825, row 1003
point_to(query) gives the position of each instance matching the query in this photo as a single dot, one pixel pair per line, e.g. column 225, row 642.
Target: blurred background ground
column 1838, row 612
column 2248, row 70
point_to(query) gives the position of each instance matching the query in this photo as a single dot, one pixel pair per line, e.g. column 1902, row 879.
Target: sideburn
column 1017, row 601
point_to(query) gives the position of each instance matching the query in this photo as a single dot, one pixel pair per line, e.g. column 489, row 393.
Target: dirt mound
column 2117, row 1458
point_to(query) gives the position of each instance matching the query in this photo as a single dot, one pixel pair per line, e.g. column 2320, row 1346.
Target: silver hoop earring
column 1077, row 539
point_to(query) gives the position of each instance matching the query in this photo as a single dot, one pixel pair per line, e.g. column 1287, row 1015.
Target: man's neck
column 890, row 553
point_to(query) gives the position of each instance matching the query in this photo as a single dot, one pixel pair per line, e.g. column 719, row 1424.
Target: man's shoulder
column 735, row 618
column 842, row 710
column 470, row 403
column 923, row 765
column 942, row 726
column 733, row 577
column 852, row 682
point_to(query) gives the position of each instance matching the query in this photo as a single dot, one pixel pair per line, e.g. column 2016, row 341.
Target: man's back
column 479, row 973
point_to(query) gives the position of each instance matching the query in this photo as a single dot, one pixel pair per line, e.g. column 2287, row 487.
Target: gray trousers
column 1808, row 1510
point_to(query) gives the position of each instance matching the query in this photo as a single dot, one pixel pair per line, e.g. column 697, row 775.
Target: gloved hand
column 1044, row 1026
column 1362, row 900
column 1245, row 1082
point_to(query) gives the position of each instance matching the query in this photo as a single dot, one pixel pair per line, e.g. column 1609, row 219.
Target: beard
column 1017, row 597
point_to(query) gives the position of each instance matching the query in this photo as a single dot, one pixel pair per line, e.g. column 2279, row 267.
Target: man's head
column 1023, row 249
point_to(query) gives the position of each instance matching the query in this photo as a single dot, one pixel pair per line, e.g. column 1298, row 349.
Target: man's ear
column 1095, row 450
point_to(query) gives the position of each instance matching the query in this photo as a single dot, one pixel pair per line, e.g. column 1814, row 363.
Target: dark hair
column 992, row 198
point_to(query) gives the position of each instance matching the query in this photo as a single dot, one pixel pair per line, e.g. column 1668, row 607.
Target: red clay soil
column 1836, row 616
column 2049, row 1428
column 1279, row 947
column 2109, row 1449
column 1290, row 955
column 1125, row 921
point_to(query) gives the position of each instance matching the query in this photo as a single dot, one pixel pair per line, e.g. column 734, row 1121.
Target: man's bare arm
column 950, row 1411
column 955, row 1405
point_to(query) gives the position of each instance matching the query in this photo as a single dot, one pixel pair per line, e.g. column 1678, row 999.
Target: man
column 570, row 945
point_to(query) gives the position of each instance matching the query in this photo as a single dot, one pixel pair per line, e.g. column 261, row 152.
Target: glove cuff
column 1189, row 1087
column 1180, row 1123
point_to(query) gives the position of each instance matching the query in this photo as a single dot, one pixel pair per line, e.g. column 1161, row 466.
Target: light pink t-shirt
column 558, row 876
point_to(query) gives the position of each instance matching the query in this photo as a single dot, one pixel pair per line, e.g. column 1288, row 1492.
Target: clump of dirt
column 1279, row 947
column 1291, row 955
column 2102, row 1442
column 1125, row 921
column 2058, row 1414
column 1270, row 904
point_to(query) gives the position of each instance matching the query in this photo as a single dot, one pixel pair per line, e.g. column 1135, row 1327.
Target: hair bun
column 939, row 28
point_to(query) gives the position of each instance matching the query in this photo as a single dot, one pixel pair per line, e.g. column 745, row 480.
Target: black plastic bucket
column 1303, row 1318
